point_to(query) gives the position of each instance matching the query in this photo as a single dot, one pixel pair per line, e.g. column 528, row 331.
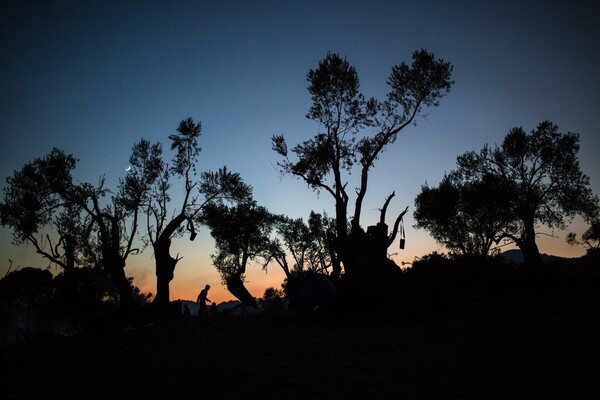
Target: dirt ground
column 520, row 348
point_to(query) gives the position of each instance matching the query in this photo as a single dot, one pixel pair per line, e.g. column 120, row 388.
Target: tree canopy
column 466, row 217
column 533, row 178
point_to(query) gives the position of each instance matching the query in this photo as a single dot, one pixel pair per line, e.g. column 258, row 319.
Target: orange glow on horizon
column 195, row 271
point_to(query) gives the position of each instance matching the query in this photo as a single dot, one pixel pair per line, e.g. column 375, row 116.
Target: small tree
column 242, row 233
column 323, row 161
column 542, row 180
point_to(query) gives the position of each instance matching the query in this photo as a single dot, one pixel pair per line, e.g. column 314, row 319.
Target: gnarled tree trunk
column 531, row 254
column 165, row 268
column 370, row 276
column 165, row 263
column 236, row 287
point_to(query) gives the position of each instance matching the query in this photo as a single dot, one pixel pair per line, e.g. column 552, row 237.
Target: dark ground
column 519, row 347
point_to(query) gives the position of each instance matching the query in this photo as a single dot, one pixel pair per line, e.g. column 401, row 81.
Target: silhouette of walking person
column 201, row 300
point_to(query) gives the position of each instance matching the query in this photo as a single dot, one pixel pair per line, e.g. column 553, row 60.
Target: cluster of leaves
column 466, row 217
column 590, row 238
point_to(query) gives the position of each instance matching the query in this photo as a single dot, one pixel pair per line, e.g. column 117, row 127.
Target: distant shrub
column 273, row 300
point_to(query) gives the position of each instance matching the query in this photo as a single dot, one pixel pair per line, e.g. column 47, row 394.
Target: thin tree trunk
column 69, row 295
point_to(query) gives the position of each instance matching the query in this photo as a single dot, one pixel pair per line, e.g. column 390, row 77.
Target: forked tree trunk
column 165, row 269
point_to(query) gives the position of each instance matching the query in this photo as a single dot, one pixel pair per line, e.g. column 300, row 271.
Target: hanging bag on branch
column 402, row 236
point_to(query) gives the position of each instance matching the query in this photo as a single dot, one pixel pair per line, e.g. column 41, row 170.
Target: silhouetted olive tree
column 542, row 180
column 91, row 229
column 114, row 222
column 242, row 233
column 163, row 225
column 324, row 161
column 466, row 217
column 35, row 210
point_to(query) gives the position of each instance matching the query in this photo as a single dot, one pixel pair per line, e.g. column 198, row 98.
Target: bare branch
column 385, row 206
column 396, row 225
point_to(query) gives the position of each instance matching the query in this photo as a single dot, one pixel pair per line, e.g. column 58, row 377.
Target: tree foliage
column 590, row 238
column 91, row 228
column 466, row 217
column 541, row 181
column 242, row 233
column 33, row 205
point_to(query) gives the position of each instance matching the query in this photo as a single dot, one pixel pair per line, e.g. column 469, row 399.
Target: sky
column 94, row 77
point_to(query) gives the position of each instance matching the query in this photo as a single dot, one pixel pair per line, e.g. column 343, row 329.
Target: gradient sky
column 93, row 77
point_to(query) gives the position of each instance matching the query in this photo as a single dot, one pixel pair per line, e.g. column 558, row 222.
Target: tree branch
column 385, row 206
column 396, row 225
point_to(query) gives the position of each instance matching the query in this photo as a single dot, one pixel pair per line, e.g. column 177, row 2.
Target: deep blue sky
column 93, row 77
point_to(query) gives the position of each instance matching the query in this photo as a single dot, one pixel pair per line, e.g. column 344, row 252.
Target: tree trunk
column 531, row 254
column 165, row 268
column 165, row 264
column 370, row 276
column 68, row 297
column 115, row 267
column 336, row 266
column 236, row 287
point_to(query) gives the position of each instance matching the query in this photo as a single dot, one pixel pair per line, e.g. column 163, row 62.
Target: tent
column 241, row 309
column 308, row 291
